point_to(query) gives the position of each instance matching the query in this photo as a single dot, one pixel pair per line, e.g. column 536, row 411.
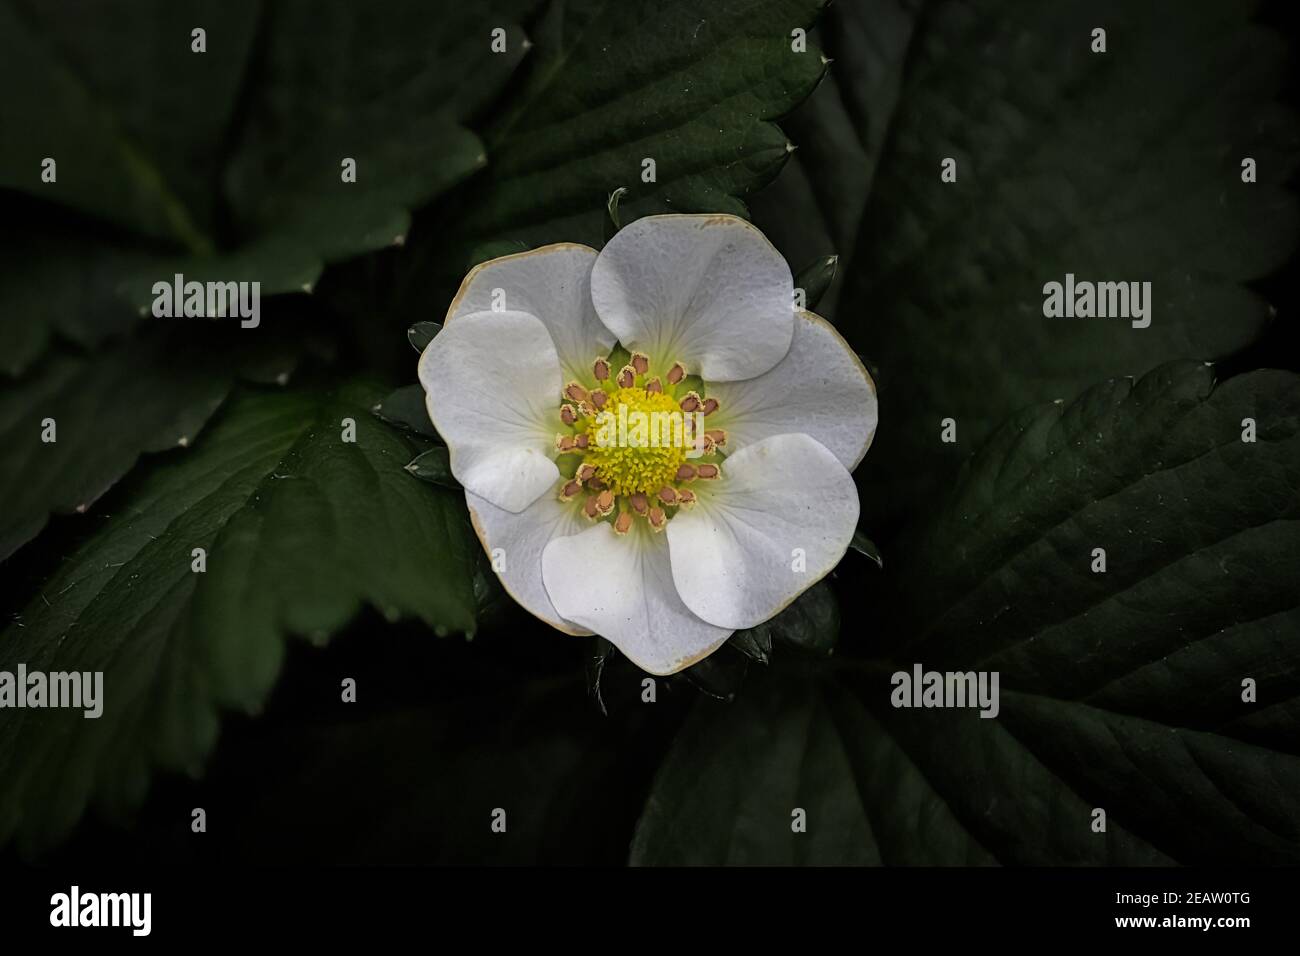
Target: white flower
column 662, row 548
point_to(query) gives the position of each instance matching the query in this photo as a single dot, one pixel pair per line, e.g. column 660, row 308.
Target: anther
column 591, row 509
column 586, row 472
column 676, row 373
column 654, row 386
column 605, row 502
column 582, row 441
column 595, row 484
column 599, row 397
column 690, row 403
column 640, row 503
column 685, row 497
column 716, row 435
column 709, row 406
column 570, row 490
column 600, row 369
column 585, row 410
column 627, row 377
column 575, row 391
column 623, row 523
column 568, row 414
column 657, row 518
column 708, row 471
column 668, row 495
column 685, row 471
column 641, row 362
column 564, row 443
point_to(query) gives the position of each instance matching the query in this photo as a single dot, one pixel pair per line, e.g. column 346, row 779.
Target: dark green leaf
column 866, row 547
column 1120, row 690
column 84, row 90
column 720, row 675
column 814, row 208
column 422, row 333
column 811, row 624
column 613, row 85
column 300, row 528
column 434, row 466
column 607, row 87
column 387, row 84
column 1057, row 173
column 406, row 408
column 754, row 643
column 250, row 194
column 59, row 275
column 815, row 279
column 730, row 789
column 109, row 407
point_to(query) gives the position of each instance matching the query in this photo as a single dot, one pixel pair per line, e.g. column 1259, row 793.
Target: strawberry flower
column 654, row 445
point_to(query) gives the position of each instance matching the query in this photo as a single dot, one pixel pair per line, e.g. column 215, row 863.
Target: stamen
column 709, row 406
column 686, row 498
column 686, row 472
column 708, row 471
column 716, row 435
column 585, row 410
column 640, row 503
column 676, row 373
column 595, row 484
column 591, row 509
column 599, row 397
column 627, row 377
column 570, row 490
column 668, row 495
column 605, row 502
column 600, row 369
column 691, row 402
column 623, row 523
column 582, row 441
column 585, row 472
column 657, row 518
column 640, row 362
column 575, row 392
column 564, row 443
column 654, row 385
column 568, row 414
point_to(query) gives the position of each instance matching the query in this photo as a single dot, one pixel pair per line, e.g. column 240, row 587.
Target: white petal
column 622, row 588
column 820, row 389
column 515, row 543
column 735, row 554
column 551, row 282
column 492, row 386
column 709, row 291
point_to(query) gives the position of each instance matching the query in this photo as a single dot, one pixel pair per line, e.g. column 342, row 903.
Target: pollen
column 638, row 441
column 633, row 433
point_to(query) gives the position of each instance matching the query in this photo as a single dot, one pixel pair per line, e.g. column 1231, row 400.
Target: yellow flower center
column 640, row 441
column 637, row 441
